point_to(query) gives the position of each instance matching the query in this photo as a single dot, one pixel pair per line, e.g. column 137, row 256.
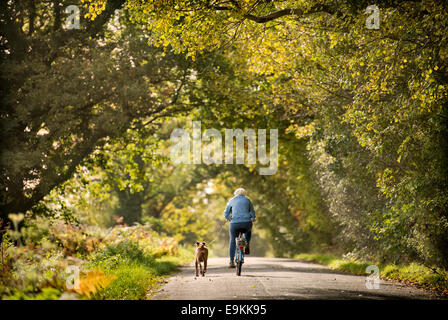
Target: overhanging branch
column 281, row 13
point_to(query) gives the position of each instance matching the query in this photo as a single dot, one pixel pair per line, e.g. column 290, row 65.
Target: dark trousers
column 233, row 234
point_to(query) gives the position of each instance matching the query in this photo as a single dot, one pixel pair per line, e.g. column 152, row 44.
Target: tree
column 67, row 92
column 361, row 113
column 375, row 100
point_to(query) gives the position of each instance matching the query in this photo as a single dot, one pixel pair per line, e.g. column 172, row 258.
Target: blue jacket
column 240, row 208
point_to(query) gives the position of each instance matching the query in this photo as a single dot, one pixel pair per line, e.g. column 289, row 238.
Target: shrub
column 125, row 251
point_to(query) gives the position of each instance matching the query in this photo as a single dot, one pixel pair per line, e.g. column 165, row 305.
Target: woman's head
column 240, row 192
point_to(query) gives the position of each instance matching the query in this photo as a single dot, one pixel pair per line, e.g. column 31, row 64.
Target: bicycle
column 241, row 244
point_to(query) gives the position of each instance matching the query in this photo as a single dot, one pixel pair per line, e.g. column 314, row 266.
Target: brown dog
column 201, row 256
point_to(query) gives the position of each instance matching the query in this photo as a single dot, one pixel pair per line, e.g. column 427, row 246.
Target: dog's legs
column 196, row 267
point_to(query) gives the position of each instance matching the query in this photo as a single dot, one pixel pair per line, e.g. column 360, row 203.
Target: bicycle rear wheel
column 239, row 263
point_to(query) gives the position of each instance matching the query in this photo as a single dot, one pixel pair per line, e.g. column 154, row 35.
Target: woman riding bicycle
column 240, row 212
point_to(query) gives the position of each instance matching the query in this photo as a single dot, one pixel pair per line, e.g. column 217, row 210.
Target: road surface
column 275, row 278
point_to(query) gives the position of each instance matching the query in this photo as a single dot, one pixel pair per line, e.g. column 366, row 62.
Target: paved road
column 274, row 278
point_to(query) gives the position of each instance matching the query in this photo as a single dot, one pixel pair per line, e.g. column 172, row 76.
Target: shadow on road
column 263, row 268
column 334, row 294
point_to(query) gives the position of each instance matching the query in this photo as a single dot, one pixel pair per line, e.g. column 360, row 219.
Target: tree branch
column 281, row 13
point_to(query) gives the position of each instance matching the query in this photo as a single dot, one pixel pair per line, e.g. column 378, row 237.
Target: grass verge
column 135, row 275
column 412, row 274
